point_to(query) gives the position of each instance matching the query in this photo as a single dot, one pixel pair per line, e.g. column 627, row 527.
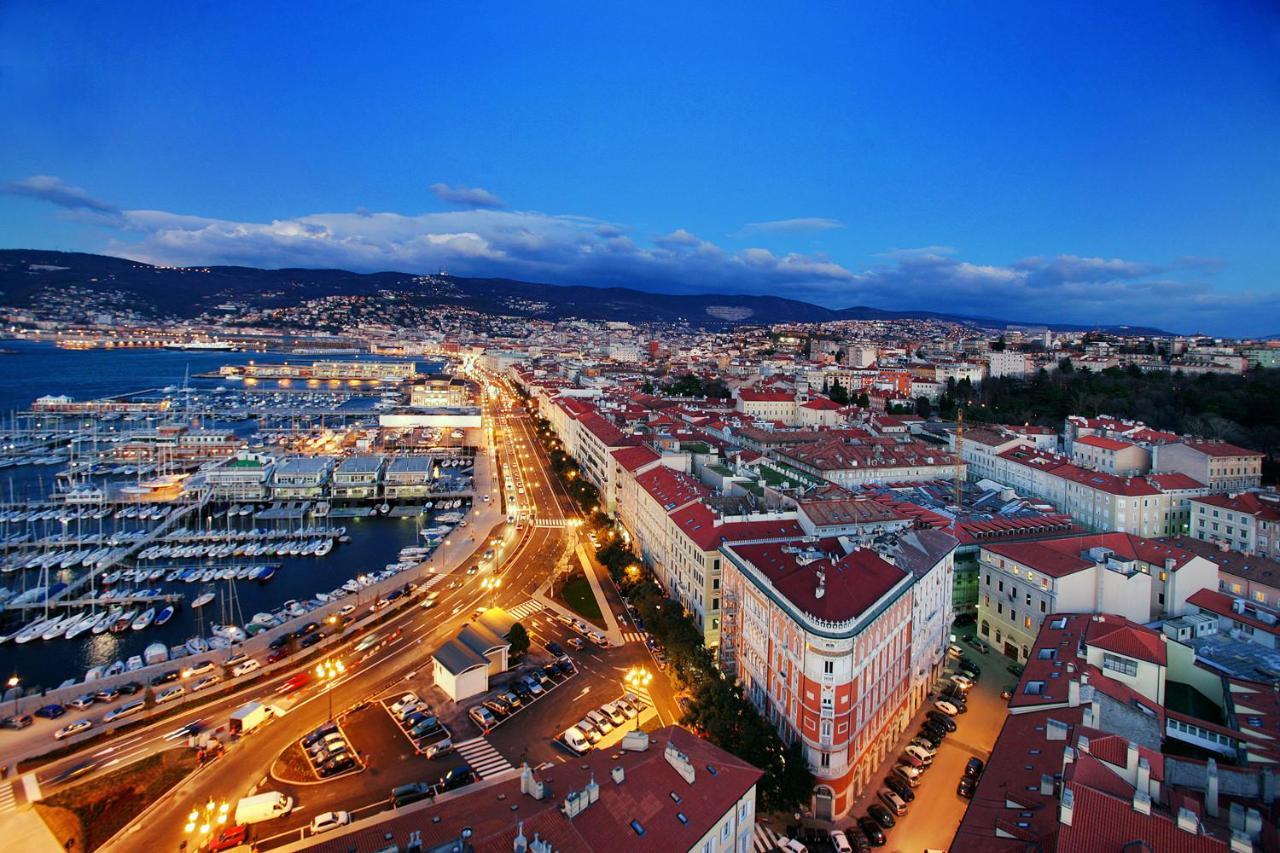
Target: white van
column 244, row 668
column 575, row 740
column 260, row 807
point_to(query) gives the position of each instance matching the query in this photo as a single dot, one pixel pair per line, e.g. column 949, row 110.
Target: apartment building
column 1248, row 522
column 1141, row 579
column 1221, row 466
column 1111, row 455
column 854, row 462
column 593, row 451
column 820, row 639
column 770, row 405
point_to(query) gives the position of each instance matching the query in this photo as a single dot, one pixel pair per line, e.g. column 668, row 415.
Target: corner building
column 818, row 633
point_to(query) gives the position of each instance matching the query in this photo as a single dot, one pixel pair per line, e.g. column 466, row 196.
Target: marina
column 127, row 539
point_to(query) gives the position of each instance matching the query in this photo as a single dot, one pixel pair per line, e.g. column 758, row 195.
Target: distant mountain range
column 28, row 276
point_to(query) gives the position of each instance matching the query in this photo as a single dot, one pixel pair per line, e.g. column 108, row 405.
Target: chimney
column 822, row 584
column 635, row 741
column 1073, row 692
column 520, row 844
column 1093, row 715
column 1065, row 807
column 1211, row 788
column 617, row 774
column 531, row 785
column 1082, row 743
column 1068, row 758
column 1142, row 802
column 592, row 791
column 1144, row 775
column 1131, row 757
column 1187, row 821
column 1046, row 784
column 540, row 845
column 679, row 762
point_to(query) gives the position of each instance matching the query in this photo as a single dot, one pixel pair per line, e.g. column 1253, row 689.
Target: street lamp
column 638, row 678
column 13, row 683
column 328, row 671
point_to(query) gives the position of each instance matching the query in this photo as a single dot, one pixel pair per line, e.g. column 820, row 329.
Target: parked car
column 1007, row 692
column 892, row 801
column 338, row 764
column 317, row 735
column 229, row 838
column 942, row 719
column 456, row 778
column 931, row 736
column 954, row 651
column 17, row 721
column 966, row 787
column 534, row 685
column 404, row 701
column 512, row 700
column 556, row 649
column 439, row 748
column 564, row 666
column 873, row 831
column 969, row 668
column 840, row 841
column 107, row 694
column 498, row 708
column 207, row 681
column 51, row 711
column 410, row 793
column 603, row 723
column 974, row 767
column 426, row 727
column 881, row 815
column 948, row 708
column 167, row 677
column 923, row 755
column 129, row 688
column 82, row 702
column 199, row 668
column 482, row 717
column 911, row 761
column 899, row 787
column 964, row 682
column 614, row 713
column 924, row 744
column 171, row 693
column 909, row 774
column 72, row 729
column 933, row 729
column 326, row 821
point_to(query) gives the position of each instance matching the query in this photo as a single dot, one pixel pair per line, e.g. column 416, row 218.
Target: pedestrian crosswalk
column 8, row 800
column 765, row 839
column 632, row 637
column 551, row 522
column 523, row 611
column 482, row 757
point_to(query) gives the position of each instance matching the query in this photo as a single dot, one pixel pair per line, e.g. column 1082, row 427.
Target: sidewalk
column 27, row 831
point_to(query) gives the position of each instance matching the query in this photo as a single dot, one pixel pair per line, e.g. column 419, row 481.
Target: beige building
column 1222, row 467
column 1141, row 579
column 1123, row 458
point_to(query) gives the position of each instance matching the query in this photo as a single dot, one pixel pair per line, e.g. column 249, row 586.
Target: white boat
column 134, row 663
column 86, row 624
column 197, row 645
column 155, row 653
column 145, row 618
column 113, row 670
column 266, row 619
column 57, row 629
column 234, row 633
column 33, row 630
column 108, row 620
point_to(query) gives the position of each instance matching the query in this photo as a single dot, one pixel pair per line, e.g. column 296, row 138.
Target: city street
column 933, row 817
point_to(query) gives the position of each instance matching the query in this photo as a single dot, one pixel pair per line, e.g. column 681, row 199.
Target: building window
column 1026, row 622
column 824, row 760
column 829, row 667
column 1115, row 663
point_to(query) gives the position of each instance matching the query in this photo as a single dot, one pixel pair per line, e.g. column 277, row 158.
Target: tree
column 923, row 407
column 864, row 400
column 518, row 637
column 646, row 387
column 999, row 345
column 838, row 394
column 1065, row 365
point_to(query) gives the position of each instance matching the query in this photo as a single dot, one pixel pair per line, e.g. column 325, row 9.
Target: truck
column 260, row 807
column 248, row 717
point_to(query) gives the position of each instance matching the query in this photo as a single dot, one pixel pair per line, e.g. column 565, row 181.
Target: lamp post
column 13, row 683
column 327, row 671
column 638, row 678
column 202, row 821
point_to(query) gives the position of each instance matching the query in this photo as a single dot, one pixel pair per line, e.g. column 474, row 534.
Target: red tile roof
column 1220, row 448
column 1174, row 482
column 853, row 582
column 1061, row 557
column 634, row 458
column 749, row 395
column 1103, row 443
column 1116, row 634
column 608, row 434
column 701, row 525
column 670, row 488
column 1246, row 502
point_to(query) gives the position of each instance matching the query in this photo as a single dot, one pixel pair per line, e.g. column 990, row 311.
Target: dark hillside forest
column 1243, row 410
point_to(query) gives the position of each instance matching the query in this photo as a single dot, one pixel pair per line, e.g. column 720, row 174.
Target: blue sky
column 1109, row 164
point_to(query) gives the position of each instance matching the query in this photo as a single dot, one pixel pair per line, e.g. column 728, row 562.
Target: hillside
column 30, row 276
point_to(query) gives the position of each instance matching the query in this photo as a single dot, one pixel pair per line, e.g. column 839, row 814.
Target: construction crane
column 959, row 461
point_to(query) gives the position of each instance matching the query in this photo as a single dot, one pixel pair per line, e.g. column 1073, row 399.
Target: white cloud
column 568, row 249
